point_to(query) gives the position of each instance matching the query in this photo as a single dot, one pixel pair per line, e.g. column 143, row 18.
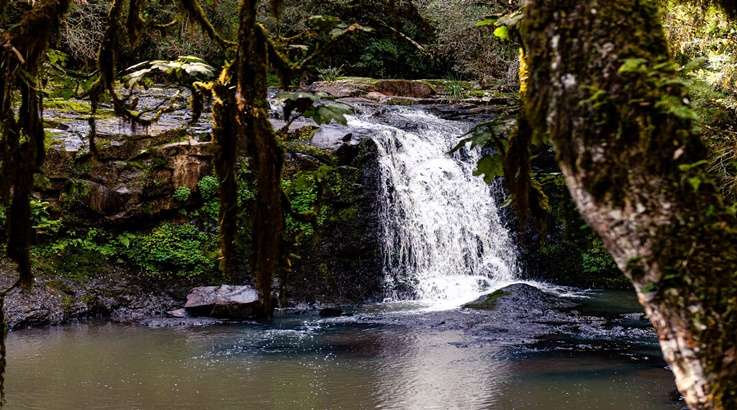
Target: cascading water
column 443, row 240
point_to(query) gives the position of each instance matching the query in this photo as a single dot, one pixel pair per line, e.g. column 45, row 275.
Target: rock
column 520, row 297
column 158, row 323
column 223, row 302
column 376, row 96
column 178, row 313
column 373, row 89
column 486, row 302
column 113, row 296
column 405, row 88
column 331, row 312
column 334, row 136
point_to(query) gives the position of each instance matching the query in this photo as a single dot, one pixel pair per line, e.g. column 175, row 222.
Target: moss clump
column 487, row 302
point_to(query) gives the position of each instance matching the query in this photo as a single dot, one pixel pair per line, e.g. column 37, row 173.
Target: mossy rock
column 486, row 302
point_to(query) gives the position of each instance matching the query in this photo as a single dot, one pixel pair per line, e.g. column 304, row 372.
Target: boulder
column 223, row 302
column 405, row 88
column 520, row 298
column 331, row 311
column 374, row 89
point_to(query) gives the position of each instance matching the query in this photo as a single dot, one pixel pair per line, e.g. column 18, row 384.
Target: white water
column 443, row 241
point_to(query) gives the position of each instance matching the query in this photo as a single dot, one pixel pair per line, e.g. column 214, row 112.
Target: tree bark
column 253, row 111
column 603, row 91
column 22, row 52
column 225, row 131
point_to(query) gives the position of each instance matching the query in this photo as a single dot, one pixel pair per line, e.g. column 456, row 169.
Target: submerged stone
column 224, row 302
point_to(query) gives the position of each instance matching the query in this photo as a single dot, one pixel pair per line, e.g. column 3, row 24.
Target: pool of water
column 303, row 362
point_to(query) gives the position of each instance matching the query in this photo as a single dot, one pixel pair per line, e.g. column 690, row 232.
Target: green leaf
column 675, row 105
column 633, row 65
column 490, row 167
column 502, row 33
column 649, row 288
column 487, row 134
column 688, row 167
column 184, row 71
column 695, row 183
column 486, row 22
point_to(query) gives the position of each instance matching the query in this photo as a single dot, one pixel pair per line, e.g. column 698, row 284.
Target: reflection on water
column 320, row 365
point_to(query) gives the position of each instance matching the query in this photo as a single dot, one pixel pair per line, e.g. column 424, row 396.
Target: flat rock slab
column 224, row 302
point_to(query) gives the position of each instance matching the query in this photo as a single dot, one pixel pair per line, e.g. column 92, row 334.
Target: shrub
column 209, row 187
column 330, row 74
column 170, row 250
column 182, row 194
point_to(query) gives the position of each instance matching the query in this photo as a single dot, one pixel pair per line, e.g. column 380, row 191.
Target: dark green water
column 307, row 363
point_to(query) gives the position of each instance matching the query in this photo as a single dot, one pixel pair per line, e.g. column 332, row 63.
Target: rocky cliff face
column 142, row 178
column 341, row 262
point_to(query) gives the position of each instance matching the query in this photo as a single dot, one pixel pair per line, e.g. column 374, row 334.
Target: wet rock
column 178, row 313
column 405, row 88
column 180, row 322
column 334, row 136
column 486, row 302
column 374, row 89
column 331, row 312
column 41, row 306
column 56, row 301
column 520, row 297
column 224, row 302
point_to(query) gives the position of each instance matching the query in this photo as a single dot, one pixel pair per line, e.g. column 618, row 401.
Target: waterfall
column 443, row 240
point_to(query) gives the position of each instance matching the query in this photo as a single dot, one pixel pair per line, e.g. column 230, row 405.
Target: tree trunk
column 24, row 46
column 225, row 131
column 602, row 89
column 253, row 115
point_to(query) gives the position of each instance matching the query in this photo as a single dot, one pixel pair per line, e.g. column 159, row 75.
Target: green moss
column 68, row 105
column 67, row 304
column 300, row 147
column 346, row 215
column 487, row 302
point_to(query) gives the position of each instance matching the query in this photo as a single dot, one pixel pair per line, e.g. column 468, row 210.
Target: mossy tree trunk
column 24, row 46
column 602, row 90
column 255, row 128
column 225, row 131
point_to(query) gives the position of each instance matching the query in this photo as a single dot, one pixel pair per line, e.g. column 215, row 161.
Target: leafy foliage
column 180, row 250
column 182, row 194
column 315, row 107
column 330, row 74
column 494, row 136
column 184, row 70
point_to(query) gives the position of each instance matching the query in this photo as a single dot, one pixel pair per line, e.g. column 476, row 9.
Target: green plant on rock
column 182, row 194
column 170, row 250
column 597, row 259
column 455, row 90
column 76, row 256
column 330, row 74
column 208, row 187
column 43, row 222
